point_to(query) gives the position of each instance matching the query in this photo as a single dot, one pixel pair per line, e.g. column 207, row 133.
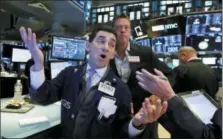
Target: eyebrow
column 103, row 37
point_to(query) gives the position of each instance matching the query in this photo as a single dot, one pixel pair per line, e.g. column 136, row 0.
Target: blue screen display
column 204, row 23
column 166, row 44
column 68, row 48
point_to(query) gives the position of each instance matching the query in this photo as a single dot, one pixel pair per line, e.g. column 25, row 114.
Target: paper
column 201, row 106
column 33, row 120
column 107, row 106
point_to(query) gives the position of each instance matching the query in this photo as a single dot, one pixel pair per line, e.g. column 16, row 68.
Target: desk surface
column 10, row 127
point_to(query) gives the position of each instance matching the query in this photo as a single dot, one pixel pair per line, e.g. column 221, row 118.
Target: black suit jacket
column 184, row 124
column 148, row 61
column 195, row 75
column 79, row 113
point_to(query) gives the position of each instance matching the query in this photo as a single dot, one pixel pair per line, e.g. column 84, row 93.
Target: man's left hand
column 150, row 112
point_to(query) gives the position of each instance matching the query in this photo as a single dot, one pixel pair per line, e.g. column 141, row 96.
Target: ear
column 88, row 45
column 113, row 54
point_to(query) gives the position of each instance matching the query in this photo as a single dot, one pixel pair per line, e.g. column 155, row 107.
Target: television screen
column 209, row 60
column 204, row 24
column 166, row 44
column 68, row 48
column 144, row 42
column 20, row 55
column 209, row 43
column 176, row 62
column 57, row 67
column 7, row 50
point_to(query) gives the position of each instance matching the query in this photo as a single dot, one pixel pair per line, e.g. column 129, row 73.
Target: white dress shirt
column 37, row 78
column 123, row 66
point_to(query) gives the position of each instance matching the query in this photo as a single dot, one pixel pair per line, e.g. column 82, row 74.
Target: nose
column 105, row 47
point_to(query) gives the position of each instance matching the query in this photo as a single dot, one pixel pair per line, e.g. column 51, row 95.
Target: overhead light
column 40, row 5
column 3, row 10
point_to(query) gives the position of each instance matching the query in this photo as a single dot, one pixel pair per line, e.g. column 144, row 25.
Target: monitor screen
column 57, row 67
column 166, row 44
column 209, row 60
column 7, row 50
column 176, row 62
column 144, row 42
column 209, row 43
column 68, row 48
column 20, row 55
column 204, row 24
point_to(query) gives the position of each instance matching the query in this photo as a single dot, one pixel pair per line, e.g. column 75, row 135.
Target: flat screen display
column 209, row 43
column 209, row 60
column 143, row 42
column 57, row 67
column 166, row 44
column 68, row 48
column 20, row 55
column 204, row 24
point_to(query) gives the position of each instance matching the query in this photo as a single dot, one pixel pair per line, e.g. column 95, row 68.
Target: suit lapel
column 113, row 67
column 134, row 52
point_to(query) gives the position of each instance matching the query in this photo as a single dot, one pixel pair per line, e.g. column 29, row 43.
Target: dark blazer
column 195, row 75
column 79, row 114
column 148, row 61
column 184, row 124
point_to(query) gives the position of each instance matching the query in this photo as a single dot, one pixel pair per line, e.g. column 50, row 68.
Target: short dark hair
column 122, row 15
column 105, row 28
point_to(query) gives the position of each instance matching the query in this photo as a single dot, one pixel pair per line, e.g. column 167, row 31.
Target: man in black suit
column 95, row 102
column 128, row 59
column 192, row 74
column 182, row 122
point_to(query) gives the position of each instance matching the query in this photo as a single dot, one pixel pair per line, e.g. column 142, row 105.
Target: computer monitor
column 20, row 55
column 208, row 43
column 57, row 67
column 145, row 42
column 68, row 48
column 204, row 24
column 161, row 59
column 166, row 44
column 176, row 62
column 209, row 60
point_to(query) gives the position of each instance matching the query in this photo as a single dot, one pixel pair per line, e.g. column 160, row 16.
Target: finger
column 23, row 34
column 34, row 39
column 158, row 72
column 158, row 108
column 29, row 38
column 148, row 75
column 140, row 78
column 144, row 86
column 164, row 107
column 149, row 109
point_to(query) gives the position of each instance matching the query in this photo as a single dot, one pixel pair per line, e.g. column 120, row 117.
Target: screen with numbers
column 167, row 44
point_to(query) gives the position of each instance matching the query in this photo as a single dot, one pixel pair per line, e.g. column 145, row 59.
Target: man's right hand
column 29, row 39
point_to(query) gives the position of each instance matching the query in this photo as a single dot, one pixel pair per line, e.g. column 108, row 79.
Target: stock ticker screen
column 204, row 32
column 167, row 44
column 68, row 48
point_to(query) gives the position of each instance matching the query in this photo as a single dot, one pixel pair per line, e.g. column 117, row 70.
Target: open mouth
column 103, row 56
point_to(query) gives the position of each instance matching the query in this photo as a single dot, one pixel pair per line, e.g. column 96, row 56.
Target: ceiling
column 45, row 18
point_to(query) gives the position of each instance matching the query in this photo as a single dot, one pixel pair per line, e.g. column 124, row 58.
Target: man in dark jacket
column 95, row 102
column 192, row 74
column 182, row 122
column 128, row 59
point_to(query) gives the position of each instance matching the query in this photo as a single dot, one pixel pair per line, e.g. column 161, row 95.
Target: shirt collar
column 100, row 71
column 126, row 50
column 192, row 58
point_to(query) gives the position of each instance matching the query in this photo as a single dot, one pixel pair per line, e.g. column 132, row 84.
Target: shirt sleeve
column 134, row 131
column 37, row 78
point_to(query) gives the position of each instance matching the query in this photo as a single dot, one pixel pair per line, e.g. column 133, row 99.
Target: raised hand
column 155, row 84
column 29, row 39
column 150, row 112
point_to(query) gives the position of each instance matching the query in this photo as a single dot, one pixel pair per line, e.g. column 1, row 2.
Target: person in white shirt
column 95, row 102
